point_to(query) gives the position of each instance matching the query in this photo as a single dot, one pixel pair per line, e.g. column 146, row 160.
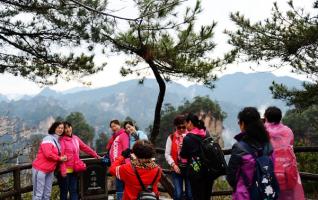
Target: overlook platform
column 94, row 183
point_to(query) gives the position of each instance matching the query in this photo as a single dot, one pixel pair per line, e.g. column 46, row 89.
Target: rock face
column 213, row 125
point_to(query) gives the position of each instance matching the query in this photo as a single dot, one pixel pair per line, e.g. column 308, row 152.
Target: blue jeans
column 68, row 184
column 178, row 180
column 119, row 189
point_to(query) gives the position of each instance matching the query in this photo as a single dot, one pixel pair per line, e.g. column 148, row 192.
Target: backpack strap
column 58, row 149
column 248, row 149
column 154, row 180
column 140, row 181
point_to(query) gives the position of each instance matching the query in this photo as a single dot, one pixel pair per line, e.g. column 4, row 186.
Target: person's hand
column 133, row 156
column 63, row 158
column 176, row 168
column 126, row 153
column 135, row 136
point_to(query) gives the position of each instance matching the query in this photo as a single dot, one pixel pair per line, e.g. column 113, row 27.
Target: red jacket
column 47, row 157
column 126, row 173
column 71, row 147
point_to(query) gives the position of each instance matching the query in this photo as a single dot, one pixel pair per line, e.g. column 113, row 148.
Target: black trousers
column 201, row 186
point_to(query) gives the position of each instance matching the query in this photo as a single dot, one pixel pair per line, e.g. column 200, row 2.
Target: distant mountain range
column 137, row 101
column 3, row 98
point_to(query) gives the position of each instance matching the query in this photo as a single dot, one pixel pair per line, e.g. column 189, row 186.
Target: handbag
column 79, row 165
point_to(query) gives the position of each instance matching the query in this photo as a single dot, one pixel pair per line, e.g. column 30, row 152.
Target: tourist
column 172, row 155
column 117, row 143
column 134, row 135
column 201, row 184
column 142, row 160
column 242, row 164
column 282, row 140
column 71, row 145
column 48, row 156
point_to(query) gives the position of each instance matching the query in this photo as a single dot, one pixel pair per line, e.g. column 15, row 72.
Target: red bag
column 285, row 168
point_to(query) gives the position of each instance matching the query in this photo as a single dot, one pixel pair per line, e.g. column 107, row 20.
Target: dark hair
column 128, row 122
column 180, row 119
column 195, row 121
column 53, row 127
column 67, row 124
column 253, row 124
column 144, row 149
column 115, row 121
column 273, row 114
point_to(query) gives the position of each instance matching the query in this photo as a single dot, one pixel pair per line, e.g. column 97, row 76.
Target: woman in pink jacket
column 71, row 146
column 285, row 164
column 118, row 143
column 49, row 154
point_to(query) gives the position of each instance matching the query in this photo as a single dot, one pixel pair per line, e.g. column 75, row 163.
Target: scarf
column 144, row 163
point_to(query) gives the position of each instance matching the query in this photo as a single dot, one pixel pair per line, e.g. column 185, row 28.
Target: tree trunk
column 161, row 95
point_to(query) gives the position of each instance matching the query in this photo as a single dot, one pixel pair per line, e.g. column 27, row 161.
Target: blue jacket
column 140, row 136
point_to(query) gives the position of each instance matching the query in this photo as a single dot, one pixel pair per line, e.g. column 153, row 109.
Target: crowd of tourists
column 262, row 163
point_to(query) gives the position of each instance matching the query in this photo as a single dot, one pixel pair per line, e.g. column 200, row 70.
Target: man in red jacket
column 143, row 162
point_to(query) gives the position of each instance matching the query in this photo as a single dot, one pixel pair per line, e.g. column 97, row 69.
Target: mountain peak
column 48, row 92
column 3, row 98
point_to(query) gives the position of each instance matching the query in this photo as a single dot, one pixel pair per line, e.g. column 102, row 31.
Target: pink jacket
column 47, row 157
column 121, row 142
column 280, row 135
column 71, row 147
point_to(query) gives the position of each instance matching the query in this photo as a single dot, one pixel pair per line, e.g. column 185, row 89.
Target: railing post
column 17, row 184
column 166, row 184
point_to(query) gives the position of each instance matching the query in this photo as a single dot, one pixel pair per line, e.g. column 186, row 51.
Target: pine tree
column 284, row 39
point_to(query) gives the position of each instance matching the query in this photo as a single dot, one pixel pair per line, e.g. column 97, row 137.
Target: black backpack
column 264, row 185
column 211, row 155
column 147, row 192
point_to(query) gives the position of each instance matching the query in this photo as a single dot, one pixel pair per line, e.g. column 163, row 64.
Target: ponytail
column 195, row 121
column 254, row 126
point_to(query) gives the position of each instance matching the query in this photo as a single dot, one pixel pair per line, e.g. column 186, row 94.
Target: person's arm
column 47, row 149
column 116, row 164
column 109, row 143
column 234, row 166
column 168, row 156
column 86, row 148
column 118, row 169
column 291, row 137
column 184, row 153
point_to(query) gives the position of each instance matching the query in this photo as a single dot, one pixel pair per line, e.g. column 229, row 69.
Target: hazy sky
column 213, row 10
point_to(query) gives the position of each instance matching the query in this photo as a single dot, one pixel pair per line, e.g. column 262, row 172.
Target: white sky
column 213, row 10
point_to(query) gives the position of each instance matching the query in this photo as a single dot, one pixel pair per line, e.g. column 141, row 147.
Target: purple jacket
column 241, row 162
